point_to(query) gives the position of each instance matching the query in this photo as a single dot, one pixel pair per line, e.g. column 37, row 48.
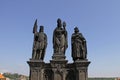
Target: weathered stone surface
column 60, row 42
column 36, row 70
column 39, row 43
column 78, row 43
column 59, row 68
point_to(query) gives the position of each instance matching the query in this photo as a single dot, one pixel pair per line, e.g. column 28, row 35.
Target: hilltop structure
column 58, row 68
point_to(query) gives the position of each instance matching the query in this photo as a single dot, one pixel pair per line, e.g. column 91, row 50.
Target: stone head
column 59, row 24
column 76, row 30
column 41, row 28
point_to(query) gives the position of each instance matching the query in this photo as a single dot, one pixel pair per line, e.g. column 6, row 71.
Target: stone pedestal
column 81, row 69
column 59, row 69
column 36, row 69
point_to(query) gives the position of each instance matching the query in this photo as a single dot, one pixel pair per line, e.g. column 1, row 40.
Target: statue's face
column 59, row 24
column 41, row 29
column 59, row 21
column 76, row 31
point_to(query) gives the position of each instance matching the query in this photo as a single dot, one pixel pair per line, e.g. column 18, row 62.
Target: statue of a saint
column 60, row 38
column 78, row 42
column 40, row 43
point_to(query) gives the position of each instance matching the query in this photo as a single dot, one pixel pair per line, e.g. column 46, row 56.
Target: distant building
column 2, row 77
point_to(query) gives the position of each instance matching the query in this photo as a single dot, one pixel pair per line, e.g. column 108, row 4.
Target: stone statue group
column 60, row 42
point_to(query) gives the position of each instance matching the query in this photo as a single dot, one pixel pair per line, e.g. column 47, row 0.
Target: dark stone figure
column 78, row 42
column 40, row 43
column 58, row 68
column 60, row 38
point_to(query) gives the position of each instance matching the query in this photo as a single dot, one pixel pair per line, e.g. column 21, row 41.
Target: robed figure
column 78, row 42
column 60, row 38
column 40, row 43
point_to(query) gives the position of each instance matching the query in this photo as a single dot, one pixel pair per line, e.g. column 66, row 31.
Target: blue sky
column 98, row 20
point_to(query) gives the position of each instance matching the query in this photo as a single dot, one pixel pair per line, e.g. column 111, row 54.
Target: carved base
column 36, row 69
column 58, row 70
column 81, row 69
column 58, row 57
